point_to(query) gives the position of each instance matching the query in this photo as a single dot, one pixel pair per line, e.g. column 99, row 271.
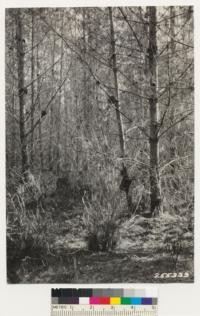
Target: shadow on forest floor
column 87, row 267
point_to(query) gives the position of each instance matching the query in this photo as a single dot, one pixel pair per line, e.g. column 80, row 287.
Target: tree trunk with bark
column 51, row 119
column 125, row 183
column 171, row 66
column 58, row 151
column 155, row 193
column 22, row 91
column 40, row 113
column 85, row 79
column 13, row 109
column 32, row 87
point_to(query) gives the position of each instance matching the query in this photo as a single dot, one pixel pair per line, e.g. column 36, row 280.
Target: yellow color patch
column 115, row 300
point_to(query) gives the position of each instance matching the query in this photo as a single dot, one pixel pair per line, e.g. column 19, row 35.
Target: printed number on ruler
column 99, row 310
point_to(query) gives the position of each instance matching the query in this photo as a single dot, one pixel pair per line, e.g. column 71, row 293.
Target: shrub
column 29, row 191
column 27, row 230
column 101, row 213
column 30, row 229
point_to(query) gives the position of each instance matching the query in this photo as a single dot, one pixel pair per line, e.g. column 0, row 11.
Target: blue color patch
column 136, row 300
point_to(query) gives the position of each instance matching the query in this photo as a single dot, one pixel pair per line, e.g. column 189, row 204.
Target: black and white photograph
column 99, row 108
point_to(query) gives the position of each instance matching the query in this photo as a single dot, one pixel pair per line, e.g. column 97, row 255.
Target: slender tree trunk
column 84, row 97
column 90, row 82
column 60, row 103
column 66, row 126
column 87, row 127
column 21, row 93
column 171, row 66
column 125, row 184
column 75, row 82
column 32, row 87
column 116, row 90
column 51, row 122
column 13, row 141
column 154, row 115
column 39, row 108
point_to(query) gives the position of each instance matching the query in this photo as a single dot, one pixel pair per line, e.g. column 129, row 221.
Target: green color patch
column 125, row 300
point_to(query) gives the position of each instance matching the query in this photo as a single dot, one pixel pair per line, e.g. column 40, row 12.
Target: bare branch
column 171, row 162
column 42, row 74
column 48, row 104
column 175, row 123
column 133, row 31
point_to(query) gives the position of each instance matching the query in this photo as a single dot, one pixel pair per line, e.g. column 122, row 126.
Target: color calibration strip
column 103, row 297
column 104, row 302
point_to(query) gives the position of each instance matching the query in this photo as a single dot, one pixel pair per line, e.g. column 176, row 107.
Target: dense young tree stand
column 99, row 133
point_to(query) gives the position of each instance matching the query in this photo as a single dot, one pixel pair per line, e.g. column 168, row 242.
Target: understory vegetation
column 54, row 239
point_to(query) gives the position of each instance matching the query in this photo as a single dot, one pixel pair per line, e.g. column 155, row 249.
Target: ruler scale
column 104, row 302
column 104, row 311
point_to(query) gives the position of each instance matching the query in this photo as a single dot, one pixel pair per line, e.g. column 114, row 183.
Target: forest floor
column 71, row 262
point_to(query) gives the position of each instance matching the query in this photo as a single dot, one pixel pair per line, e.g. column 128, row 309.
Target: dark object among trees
column 43, row 113
column 126, row 181
column 62, row 184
